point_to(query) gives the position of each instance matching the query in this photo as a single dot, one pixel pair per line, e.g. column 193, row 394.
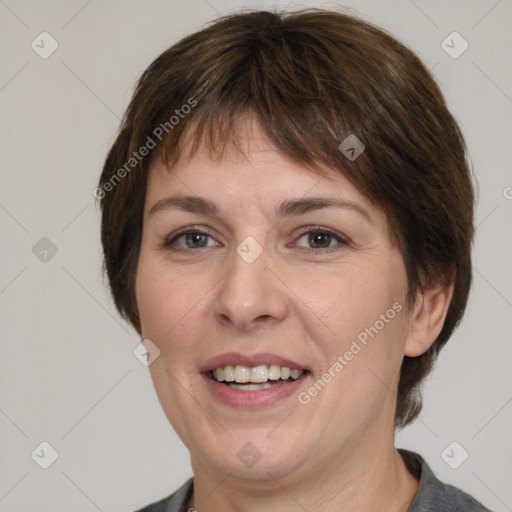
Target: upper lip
column 251, row 360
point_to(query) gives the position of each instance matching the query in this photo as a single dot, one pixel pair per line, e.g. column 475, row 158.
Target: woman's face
column 259, row 263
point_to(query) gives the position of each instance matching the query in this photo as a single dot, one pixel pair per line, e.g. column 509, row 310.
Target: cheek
column 363, row 348
column 165, row 299
column 350, row 299
column 362, row 313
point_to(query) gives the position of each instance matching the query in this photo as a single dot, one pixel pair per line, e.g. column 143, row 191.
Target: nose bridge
column 249, row 291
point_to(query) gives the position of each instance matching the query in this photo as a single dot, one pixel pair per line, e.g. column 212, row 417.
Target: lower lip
column 253, row 399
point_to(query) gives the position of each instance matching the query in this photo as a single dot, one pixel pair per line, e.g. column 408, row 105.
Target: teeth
column 242, row 373
column 295, row 374
column 229, row 374
column 257, row 374
column 274, row 372
column 251, row 387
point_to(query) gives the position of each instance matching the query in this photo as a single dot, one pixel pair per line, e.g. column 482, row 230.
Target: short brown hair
column 310, row 78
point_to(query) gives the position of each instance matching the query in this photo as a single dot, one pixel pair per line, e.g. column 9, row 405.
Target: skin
column 295, row 300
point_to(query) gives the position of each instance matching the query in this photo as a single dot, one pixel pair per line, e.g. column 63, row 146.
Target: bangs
column 223, row 134
column 304, row 91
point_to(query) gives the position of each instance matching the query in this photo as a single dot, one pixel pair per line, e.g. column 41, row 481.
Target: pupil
column 195, row 238
column 320, row 239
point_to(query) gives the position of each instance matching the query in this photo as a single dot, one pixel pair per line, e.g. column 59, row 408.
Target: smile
column 246, row 378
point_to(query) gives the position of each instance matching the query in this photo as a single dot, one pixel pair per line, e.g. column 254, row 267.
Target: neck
column 366, row 480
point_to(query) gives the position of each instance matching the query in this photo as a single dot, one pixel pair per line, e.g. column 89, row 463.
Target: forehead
column 249, row 166
column 254, row 180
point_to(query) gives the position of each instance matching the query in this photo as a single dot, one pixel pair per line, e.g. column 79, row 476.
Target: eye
column 322, row 238
column 315, row 239
column 192, row 239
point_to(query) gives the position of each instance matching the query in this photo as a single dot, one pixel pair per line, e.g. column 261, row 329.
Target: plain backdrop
column 68, row 375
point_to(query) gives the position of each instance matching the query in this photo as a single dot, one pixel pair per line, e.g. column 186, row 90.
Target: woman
column 287, row 218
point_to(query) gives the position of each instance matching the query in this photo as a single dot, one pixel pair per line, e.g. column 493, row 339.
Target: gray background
column 68, row 375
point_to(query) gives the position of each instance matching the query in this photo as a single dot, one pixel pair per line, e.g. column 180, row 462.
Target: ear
column 427, row 319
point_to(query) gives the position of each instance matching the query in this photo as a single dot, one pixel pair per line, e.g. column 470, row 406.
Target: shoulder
column 434, row 495
column 176, row 502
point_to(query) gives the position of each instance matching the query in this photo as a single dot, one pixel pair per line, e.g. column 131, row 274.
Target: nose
column 250, row 294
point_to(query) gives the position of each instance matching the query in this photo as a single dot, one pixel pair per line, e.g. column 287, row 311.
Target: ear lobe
column 427, row 319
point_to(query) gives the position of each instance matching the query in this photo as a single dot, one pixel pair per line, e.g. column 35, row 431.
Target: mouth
column 255, row 378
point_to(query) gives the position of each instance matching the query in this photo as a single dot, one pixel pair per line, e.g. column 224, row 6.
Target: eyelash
column 342, row 241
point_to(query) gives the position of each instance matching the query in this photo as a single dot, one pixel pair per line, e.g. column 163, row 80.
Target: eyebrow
column 288, row 208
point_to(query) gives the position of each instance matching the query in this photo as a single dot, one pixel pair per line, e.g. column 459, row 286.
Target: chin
column 256, row 456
